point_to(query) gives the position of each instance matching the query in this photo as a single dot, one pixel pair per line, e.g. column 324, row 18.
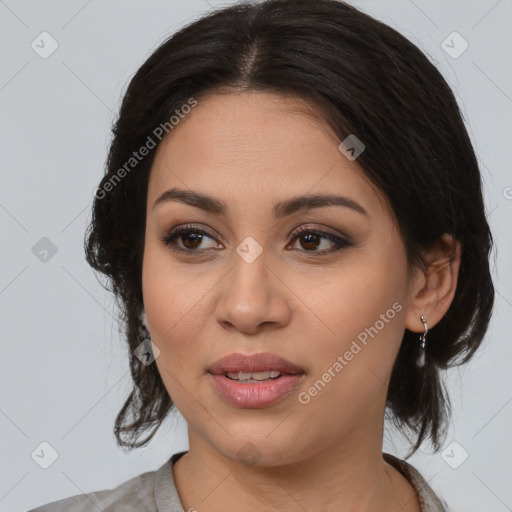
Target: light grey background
column 64, row 372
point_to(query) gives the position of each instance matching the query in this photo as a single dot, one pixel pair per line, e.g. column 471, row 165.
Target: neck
column 352, row 476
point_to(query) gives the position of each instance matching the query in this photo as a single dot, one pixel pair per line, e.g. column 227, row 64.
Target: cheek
column 172, row 305
column 357, row 294
column 364, row 312
column 362, row 308
column 177, row 300
column 170, row 289
column 172, row 298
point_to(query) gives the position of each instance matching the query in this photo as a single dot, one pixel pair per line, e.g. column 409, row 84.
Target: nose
column 254, row 297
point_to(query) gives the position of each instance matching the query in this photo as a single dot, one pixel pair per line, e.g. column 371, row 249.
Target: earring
column 422, row 343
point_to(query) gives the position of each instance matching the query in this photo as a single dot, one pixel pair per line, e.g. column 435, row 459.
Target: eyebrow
column 281, row 209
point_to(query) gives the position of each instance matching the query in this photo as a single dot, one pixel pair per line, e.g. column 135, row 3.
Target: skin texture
column 252, row 150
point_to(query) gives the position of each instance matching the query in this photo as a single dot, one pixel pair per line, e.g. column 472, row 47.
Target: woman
column 292, row 221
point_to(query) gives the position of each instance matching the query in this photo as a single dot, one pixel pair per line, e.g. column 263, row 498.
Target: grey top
column 154, row 491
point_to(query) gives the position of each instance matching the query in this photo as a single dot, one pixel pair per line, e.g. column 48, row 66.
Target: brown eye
column 187, row 240
column 311, row 239
column 190, row 239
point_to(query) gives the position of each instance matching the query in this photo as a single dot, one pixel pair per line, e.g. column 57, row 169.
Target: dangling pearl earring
column 422, row 343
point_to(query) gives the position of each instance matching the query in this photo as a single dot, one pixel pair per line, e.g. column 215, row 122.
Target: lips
column 261, row 362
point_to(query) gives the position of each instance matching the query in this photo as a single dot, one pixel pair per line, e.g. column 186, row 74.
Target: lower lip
column 258, row 394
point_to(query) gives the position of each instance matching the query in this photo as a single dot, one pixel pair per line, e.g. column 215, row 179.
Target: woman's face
column 250, row 285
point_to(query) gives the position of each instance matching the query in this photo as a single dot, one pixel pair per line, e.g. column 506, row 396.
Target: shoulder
column 136, row 494
column 429, row 500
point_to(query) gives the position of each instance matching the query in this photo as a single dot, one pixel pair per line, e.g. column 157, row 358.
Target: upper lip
column 261, row 362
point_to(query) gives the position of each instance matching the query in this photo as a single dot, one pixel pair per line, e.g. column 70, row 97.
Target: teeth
column 254, row 376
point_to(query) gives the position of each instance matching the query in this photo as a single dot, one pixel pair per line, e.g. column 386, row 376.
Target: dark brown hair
column 364, row 78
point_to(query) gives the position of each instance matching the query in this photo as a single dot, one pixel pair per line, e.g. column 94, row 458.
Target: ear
column 433, row 288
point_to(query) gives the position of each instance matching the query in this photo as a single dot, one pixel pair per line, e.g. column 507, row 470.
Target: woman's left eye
column 311, row 238
column 192, row 237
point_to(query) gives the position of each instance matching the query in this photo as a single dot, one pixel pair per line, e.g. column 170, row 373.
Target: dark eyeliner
column 175, row 233
column 340, row 242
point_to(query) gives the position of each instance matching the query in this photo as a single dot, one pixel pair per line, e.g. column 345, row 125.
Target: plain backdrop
column 64, row 367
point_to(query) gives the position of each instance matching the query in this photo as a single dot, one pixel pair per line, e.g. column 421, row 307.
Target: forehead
column 250, row 148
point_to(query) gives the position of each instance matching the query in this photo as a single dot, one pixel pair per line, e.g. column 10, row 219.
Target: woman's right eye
column 190, row 237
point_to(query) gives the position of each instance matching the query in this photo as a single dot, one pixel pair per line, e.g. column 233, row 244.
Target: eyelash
column 168, row 240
